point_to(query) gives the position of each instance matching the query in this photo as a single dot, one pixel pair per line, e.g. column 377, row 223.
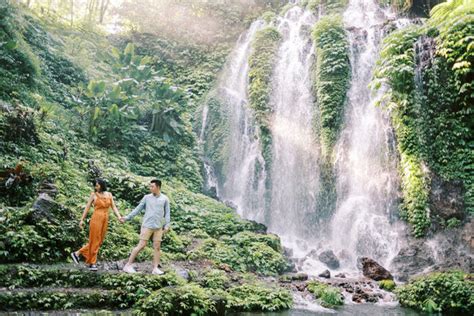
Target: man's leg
column 136, row 251
column 157, row 247
column 145, row 235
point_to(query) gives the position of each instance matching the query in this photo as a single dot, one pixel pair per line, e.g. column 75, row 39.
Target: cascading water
column 366, row 164
column 294, row 173
column 243, row 181
column 366, row 161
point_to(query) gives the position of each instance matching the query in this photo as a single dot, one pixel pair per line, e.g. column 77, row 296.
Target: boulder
column 412, row 259
column 45, row 207
column 372, row 270
column 183, row 273
column 329, row 258
column 325, row 274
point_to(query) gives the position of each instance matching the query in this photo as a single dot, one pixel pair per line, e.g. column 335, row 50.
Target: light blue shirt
column 157, row 211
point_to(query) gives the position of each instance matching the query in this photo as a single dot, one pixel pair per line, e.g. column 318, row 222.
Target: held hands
column 121, row 219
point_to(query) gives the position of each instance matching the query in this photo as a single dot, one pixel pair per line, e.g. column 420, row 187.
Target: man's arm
column 167, row 214
column 137, row 210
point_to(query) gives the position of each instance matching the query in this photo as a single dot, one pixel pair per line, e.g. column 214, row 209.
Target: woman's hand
column 81, row 224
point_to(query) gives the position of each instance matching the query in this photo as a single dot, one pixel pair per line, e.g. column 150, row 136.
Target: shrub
column 189, row 299
column 258, row 297
column 447, row 292
column 388, row 285
column 215, row 279
column 328, row 296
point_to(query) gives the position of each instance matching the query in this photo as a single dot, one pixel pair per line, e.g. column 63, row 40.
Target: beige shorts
column 146, row 233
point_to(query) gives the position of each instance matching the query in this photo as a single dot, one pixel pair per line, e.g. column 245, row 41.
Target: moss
column 415, row 188
column 331, row 78
column 388, row 285
column 326, row 6
column 216, row 135
column 269, row 16
column 261, row 60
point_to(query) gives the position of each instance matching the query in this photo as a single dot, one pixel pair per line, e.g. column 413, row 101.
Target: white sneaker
column 129, row 269
column 157, row 271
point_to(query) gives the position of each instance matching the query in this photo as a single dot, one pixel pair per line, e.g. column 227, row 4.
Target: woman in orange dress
column 102, row 201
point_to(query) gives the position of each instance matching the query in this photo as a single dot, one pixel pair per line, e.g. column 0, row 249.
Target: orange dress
column 97, row 228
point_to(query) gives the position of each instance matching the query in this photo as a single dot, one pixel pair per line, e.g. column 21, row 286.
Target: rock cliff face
column 446, row 249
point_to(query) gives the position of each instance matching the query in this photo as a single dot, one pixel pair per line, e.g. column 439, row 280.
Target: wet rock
column 46, row 208
column 446, row 198
column 301, row 287
column 412, row 259
column 329, row 258
column 48, row 188
column 290, row 277
column 183, row 273
column 299, row 277
column 325, row 274
column 372, row 270
column 340, row 275
column 288, row 252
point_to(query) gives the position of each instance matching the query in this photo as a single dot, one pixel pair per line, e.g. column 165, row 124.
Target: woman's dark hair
column 102, row 184
column 156, row 182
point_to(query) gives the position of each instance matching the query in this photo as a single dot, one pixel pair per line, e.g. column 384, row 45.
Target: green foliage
column 269, row 16
column 453, row 223
column 189, row 299
column 447, row 292
column 431, row 111
column 326, row 6
column 327, row 295
column 244, row 252
column 257, row 297
column 50, row 299
column 415, row 188
column 388, row 285
column 261, row 60
column 216, row 134
column 127, row 289
column 215, row 279
column 331, row 78
column 19, row 65
column 28, row 236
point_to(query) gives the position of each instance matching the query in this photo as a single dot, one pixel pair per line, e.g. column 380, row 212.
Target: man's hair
column 156, row 182
column 102, row 184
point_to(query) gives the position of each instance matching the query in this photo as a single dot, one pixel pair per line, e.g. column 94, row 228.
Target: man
column 156, row 222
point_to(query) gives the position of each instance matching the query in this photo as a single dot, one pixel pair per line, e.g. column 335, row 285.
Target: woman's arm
column 86, row 210
column 114, row 207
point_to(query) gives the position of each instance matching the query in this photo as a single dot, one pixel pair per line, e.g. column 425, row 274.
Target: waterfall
column 295, row 171
column 243, row 178
column 363, row 223
column 366, row 155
